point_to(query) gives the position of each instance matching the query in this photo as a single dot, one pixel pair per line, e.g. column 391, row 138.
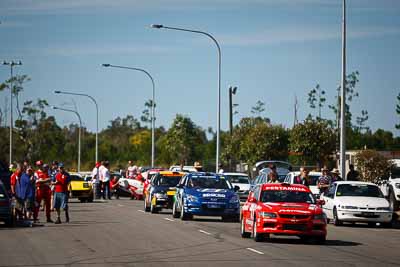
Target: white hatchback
column 348, row 201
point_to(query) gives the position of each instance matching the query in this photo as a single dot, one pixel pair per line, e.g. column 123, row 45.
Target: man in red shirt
column 14, row 177
column 61, row 192
column 114, row 187
column 43, row 191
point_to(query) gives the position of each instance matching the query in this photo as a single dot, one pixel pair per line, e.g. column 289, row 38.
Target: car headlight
column 268, row 215
column 383, row 208
column 349, row 207
column 397, row 185
column 234, row 199
column 192, row 198
column 160, row 195
column 321, row 217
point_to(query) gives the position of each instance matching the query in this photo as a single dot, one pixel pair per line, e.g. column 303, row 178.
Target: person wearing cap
column 43, row 190
column 61, row 193
column 25, row 194
column 336, row 175
column 324, row 181
column 96, row 180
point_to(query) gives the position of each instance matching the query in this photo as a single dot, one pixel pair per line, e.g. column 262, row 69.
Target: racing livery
column 161, row 191
column 283, row 209
column 206, row 194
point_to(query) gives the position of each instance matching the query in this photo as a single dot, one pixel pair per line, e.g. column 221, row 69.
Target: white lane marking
column 255, row 251
column 168, row 219
column 141, row 211
column 204, row 232
column 120, row 205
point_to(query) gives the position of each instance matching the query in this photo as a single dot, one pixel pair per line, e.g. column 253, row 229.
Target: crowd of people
column 30, row 186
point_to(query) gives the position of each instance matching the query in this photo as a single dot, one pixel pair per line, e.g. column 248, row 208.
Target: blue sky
column 272, row 50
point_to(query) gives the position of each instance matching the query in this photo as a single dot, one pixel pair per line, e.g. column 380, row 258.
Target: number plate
column 367, row 214
column 213, row 206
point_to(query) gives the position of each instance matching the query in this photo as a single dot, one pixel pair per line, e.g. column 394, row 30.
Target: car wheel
column 184, row 216
column 257, row 236
column 152, row 208
column 175, row 213
column 336, row 220
column 146, row 207
column 243, row 232
column 394, row 204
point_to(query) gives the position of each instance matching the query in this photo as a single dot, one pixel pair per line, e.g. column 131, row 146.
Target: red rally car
column 283, row 209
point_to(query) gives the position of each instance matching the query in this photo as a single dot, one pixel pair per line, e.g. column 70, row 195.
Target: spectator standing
column 303, row 178
column 335, row 175
column 61, row 193
column 43, row 191
column 324, row 181
column 352, row 175
column 105, row 174
column 14, row 177
column 25, row 193
column 96, row 181
column 52, row 172
column 131, row 171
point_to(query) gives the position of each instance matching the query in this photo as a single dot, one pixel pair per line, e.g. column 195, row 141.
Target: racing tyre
column 185, row 216
column 175, row 213
column 394, row 204
column 336, row 220
column 152, row 208
column 256, row 236
column 243, row 232
column 146, row 207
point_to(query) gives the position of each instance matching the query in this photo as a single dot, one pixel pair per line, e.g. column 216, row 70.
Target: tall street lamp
column 232, row 91
column 152, row 105
column 11, row 64
column 159, row 26
column 97, row 117
column 343, row 99
column 79, row 133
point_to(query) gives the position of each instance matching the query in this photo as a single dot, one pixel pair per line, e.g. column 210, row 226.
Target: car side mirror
column 320, row 202
column 236, row 188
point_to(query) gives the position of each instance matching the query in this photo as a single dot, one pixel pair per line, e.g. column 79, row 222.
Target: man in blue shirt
column 25, row 193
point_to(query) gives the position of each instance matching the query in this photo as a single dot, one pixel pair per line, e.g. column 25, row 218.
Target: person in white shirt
column 96, row 181
column 105, row 176
column 132, row 170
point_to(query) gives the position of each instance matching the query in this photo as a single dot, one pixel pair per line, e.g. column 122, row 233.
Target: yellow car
column 81, row 189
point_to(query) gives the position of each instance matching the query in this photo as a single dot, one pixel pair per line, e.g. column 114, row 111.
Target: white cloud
column 302, row 34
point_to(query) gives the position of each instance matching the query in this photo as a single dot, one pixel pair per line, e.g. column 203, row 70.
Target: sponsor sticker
column 286, row 188
column 213, row 195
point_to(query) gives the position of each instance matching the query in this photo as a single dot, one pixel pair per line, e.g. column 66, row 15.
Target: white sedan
column 348, row 201
column 241, row 180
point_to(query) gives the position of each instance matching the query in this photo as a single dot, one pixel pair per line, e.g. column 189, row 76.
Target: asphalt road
column 119, row 233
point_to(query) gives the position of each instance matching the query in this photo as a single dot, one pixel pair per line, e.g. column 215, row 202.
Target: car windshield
column 75, row 178
column 162, row 180
column 287, row 196
column 396, row 173
column 236, row 179
column 208, row 182
column 358, row 190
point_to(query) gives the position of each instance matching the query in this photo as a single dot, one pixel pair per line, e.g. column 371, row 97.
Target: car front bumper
column 213, row 209
column 279, row 226
column 364, row 216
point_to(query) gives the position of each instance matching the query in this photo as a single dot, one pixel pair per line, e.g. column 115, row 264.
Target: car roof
column 191, row 174
column 269, row 186
column 234, row 173
column 354, row 182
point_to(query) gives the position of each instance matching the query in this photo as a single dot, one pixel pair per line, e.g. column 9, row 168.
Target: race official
column 61, row 193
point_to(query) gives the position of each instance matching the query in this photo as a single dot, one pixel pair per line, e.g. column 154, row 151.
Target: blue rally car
column 206, row 194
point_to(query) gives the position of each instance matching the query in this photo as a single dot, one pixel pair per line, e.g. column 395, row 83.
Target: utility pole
column 232, row 91
column 343, row 99
column 296, row 106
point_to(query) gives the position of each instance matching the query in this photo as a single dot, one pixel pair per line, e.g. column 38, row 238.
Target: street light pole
column 97, row 117
column 232, row 91
column 159, row 26
column 343, row 99
column 152, row 105
column 11, row 64
column 79, row 133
